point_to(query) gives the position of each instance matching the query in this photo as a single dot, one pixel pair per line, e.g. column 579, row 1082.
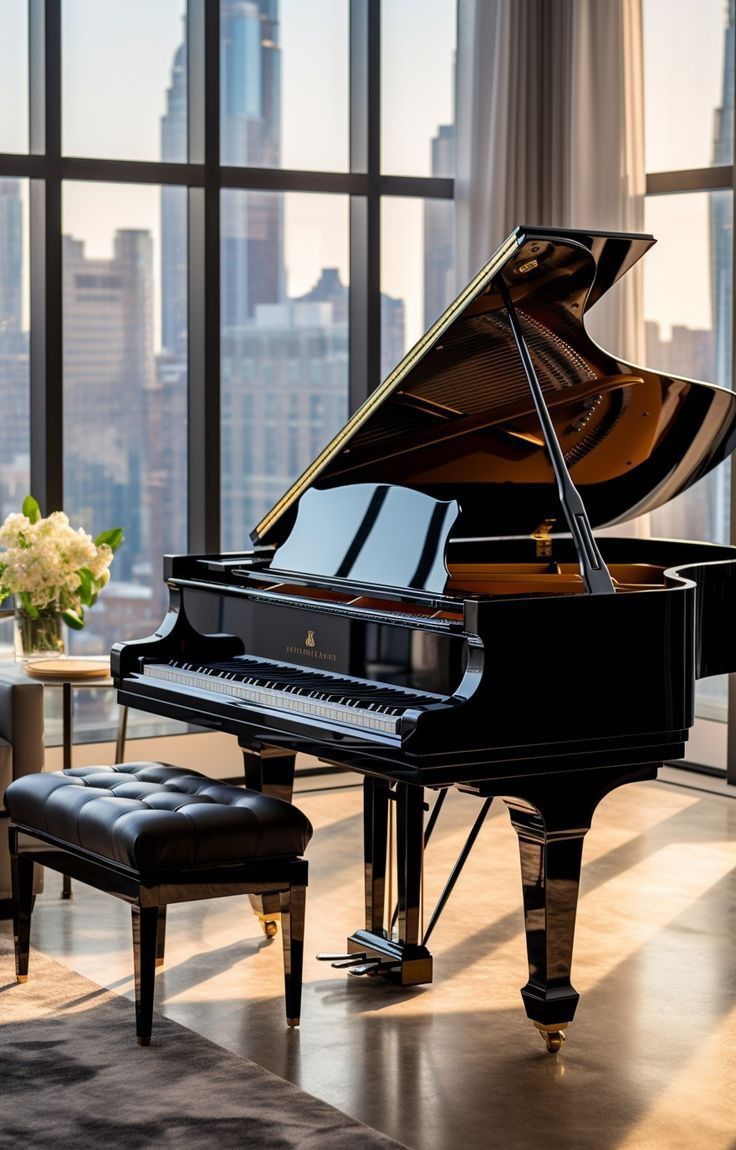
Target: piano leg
column 375, row 834
column 409, row 858
column 405, row 960
column 271, row 771
column 551, row 817
column 268, row 769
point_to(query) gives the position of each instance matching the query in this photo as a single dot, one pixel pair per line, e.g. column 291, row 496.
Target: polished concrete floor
column 650, row 1061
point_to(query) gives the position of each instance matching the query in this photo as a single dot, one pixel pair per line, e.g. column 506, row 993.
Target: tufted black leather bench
column 153, row 834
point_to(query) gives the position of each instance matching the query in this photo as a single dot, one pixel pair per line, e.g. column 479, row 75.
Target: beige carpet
column 72, row 1075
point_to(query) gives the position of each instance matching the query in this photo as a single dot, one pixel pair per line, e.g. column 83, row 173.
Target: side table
column 70, row 674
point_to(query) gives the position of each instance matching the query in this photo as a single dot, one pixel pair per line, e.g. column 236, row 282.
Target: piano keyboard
column 287, row 687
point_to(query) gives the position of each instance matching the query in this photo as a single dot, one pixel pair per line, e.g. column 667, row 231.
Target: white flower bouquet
column 53, row 571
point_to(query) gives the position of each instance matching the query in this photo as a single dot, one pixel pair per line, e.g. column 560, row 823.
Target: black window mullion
column 204, row 277
column 46, row 340
column 365, row 208
column 731, row 706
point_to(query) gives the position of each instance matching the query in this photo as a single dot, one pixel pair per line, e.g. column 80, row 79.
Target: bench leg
column 161, row 936
column 21, row 870
column 293, row 902
column 145, row 935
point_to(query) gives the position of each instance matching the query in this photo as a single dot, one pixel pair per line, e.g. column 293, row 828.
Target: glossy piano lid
column 455, row 419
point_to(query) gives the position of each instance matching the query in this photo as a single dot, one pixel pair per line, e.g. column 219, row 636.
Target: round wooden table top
column 68, row 669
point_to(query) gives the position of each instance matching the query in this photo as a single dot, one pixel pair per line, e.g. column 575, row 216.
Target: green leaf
column 73, row 619
column 27, row 605
column 86, row 586
column 113, row 538
column 31, row 509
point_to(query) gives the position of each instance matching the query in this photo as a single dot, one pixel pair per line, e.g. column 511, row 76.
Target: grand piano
column 428, row 604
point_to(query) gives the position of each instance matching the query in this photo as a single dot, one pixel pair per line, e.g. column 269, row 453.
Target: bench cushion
column 154, row 817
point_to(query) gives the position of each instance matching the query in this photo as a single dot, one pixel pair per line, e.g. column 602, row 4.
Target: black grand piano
column 428, row 605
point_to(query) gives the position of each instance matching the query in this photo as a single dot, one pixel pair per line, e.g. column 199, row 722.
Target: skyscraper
column 108, row 367
column 11, row 259
column 721, row 262
column 250, row 134
column 251, row 223
column 14, row 382
column 174, row 215
column 439, row 232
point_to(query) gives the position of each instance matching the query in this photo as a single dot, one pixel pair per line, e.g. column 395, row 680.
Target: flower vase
column 39, row 637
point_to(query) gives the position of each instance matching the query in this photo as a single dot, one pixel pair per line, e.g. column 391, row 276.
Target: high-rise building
column 284, row 393
column 14, row 364
column 11, row 258
column 250, row 117
column 393, row 332
column 715, row 494
column 439, row 232
column 174, row 215
column 108, row 368
column 251, row 223
column 703, row 512
column 284, row 361
column 721, row 216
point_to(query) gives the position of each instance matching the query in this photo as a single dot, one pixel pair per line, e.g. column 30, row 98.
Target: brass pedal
column 341, row 957
column 373, row 966
column 354, row 960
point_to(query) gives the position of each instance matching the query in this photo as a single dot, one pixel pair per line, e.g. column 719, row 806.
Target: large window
column 688, row 304
column 220, row 225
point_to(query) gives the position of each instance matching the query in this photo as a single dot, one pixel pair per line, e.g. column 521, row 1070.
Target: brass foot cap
column 159, row 963
column 142, row 1041
column 553, row 1035
column 21, row 978
column 292, row 1022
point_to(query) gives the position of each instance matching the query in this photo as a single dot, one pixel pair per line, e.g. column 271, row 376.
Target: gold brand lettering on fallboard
column 310, row 651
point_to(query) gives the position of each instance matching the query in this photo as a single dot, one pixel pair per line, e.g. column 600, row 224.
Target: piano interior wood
column 502, row 579
column 544, row 578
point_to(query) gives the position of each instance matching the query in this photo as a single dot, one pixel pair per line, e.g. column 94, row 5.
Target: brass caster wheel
column 553, row 1040
column 270, row 927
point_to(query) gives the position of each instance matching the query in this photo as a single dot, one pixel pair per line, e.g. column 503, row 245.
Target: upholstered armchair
column 21, row 752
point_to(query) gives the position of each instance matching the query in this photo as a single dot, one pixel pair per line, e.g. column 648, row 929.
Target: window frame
column 717, row 177
column 204, row 177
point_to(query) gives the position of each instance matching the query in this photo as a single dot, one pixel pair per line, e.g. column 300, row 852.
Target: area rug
column 72, row 1075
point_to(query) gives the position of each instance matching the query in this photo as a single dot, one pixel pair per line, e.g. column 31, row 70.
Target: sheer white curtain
column 550, row 131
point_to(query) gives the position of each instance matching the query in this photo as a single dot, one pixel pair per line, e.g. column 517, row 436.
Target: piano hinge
column 543, row 539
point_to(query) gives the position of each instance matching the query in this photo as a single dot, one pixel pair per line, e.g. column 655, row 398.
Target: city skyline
column 284, row 341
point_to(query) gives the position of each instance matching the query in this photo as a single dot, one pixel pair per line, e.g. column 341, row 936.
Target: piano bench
column 152, row 834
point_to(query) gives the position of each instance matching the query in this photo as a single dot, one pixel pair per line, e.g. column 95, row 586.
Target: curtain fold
column 550, row 131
